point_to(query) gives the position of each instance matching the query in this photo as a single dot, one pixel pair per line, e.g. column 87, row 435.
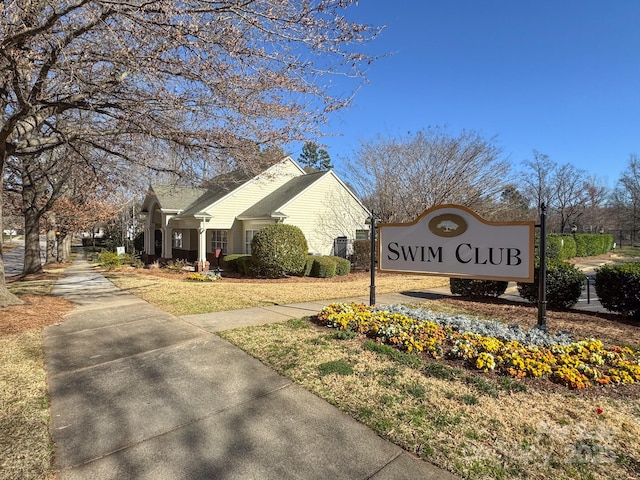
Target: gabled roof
column 176, row 197
column 217, row 189
column 272, row 203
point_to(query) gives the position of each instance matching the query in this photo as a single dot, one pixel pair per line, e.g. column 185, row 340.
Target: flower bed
column 508, row 350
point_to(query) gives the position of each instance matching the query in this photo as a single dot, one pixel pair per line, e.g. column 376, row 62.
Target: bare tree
column 536, row 179
column 568, row 194
column 513, row 206
column 563, row 188
column 626, row 197
column 399, row 178
column 596, row 195
column 190, row 75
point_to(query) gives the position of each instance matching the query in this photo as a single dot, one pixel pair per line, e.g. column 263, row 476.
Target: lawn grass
column 176, row 295
column 25, row 442
column 630, row 253
column 473, row 424
column 26, row 447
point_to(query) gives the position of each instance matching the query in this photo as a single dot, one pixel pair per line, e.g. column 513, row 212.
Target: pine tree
column 314, row 159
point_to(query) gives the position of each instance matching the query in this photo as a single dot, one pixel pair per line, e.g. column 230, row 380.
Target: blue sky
column 558, row 76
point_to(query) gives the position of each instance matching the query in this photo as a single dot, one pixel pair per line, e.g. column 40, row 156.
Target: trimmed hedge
column 279, row 250
column 323, row 267
column 581, row 246
column 565, row 247
column 477, row 288
column 596, row 243
column 230, row 262
column 564, row 285
column 343, row 266
column 244, row 264
column 309, row 265
column 618, row 288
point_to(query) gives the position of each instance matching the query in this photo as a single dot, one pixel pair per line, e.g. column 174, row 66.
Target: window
column 248, row 236
column 362, row 234
column 177, row 239
column 219, row 240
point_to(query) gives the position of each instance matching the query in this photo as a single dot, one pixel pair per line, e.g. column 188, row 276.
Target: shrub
column 581, row 246
column 230, row 262
column 362, row 254
column 343, row 266
column 309, row 265
column 564, row 285
column 597, row 244
column 177, row 265
column 109, row 259
column 618, row 288
column 279, row 250
column 323, row 267
column 129, row 259
column 244, row 264
column 477, row 288
column 559, row 247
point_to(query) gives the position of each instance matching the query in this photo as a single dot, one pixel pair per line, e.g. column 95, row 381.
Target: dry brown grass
column 25, row 444
column 173, row 293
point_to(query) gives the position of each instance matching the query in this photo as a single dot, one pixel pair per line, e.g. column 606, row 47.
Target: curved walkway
column 14, row 258
column 137, row 393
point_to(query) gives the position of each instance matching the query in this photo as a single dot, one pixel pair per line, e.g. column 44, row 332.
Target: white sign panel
column 454, row 241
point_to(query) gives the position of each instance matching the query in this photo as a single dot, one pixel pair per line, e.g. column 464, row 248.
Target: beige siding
column 326, row 211
column 225, row 212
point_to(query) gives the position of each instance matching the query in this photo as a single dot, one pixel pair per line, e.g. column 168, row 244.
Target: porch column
column 202, row 243
column 148, row 240
column 167, row 242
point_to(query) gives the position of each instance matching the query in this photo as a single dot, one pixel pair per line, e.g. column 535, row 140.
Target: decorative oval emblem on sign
column 448, row 225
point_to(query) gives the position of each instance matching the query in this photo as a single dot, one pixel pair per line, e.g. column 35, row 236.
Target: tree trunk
column 66, row 248
column 32, row 261
column 6, row 297
column 50, row 218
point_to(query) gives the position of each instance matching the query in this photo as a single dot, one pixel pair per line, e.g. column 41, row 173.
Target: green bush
column 129, row 259
column 362, row 254
column 477, row 288
column 323, row 267
column 596, row 243
column 581, row 246
column 559, row 247
column 279, row 250
column 343, row 266
column 564, row 285
column 244, row 264
column 230, row 262
column 309, row 265
column 109, row 259
column 618, row 288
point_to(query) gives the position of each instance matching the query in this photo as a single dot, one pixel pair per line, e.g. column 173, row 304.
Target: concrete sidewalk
column 137, row 393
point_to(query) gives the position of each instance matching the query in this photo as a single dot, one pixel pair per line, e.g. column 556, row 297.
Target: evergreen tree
column 314, row 159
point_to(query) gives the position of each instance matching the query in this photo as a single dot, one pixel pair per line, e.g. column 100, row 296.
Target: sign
column 120, row 250
column 454, row 241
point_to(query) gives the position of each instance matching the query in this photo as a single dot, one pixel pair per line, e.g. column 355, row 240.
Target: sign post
column 372, row 268
column 542, row 275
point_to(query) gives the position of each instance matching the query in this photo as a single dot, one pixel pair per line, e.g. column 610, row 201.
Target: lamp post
column 58, row 233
